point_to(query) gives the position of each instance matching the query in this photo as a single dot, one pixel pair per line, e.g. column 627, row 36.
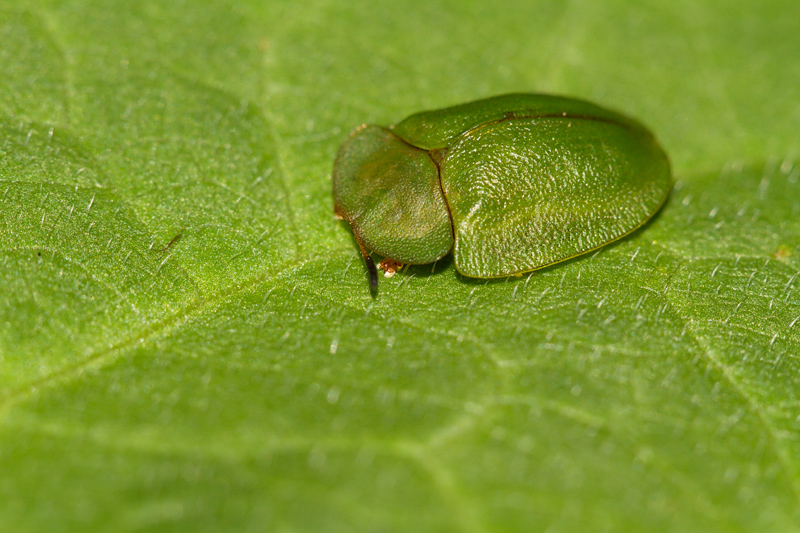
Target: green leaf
column 188, row 341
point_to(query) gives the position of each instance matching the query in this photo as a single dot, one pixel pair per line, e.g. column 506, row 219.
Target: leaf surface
column 188, row 342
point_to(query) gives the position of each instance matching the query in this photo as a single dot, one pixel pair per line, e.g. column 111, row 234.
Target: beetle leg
column 389, row 267
column 373, row 272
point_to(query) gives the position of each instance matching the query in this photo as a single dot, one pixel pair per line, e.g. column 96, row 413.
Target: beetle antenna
column 373, row 272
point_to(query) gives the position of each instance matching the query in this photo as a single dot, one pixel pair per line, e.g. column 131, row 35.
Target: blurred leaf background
column 187, row 339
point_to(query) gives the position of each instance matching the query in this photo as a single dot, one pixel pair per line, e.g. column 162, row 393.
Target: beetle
column 511, row 184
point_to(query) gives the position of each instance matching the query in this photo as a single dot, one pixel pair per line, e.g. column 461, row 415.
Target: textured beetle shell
column 513, row 183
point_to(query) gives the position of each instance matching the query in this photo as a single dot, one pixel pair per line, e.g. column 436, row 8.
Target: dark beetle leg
column 373, row 272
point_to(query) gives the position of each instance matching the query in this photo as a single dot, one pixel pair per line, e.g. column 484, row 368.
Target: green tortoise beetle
column 511, row 184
